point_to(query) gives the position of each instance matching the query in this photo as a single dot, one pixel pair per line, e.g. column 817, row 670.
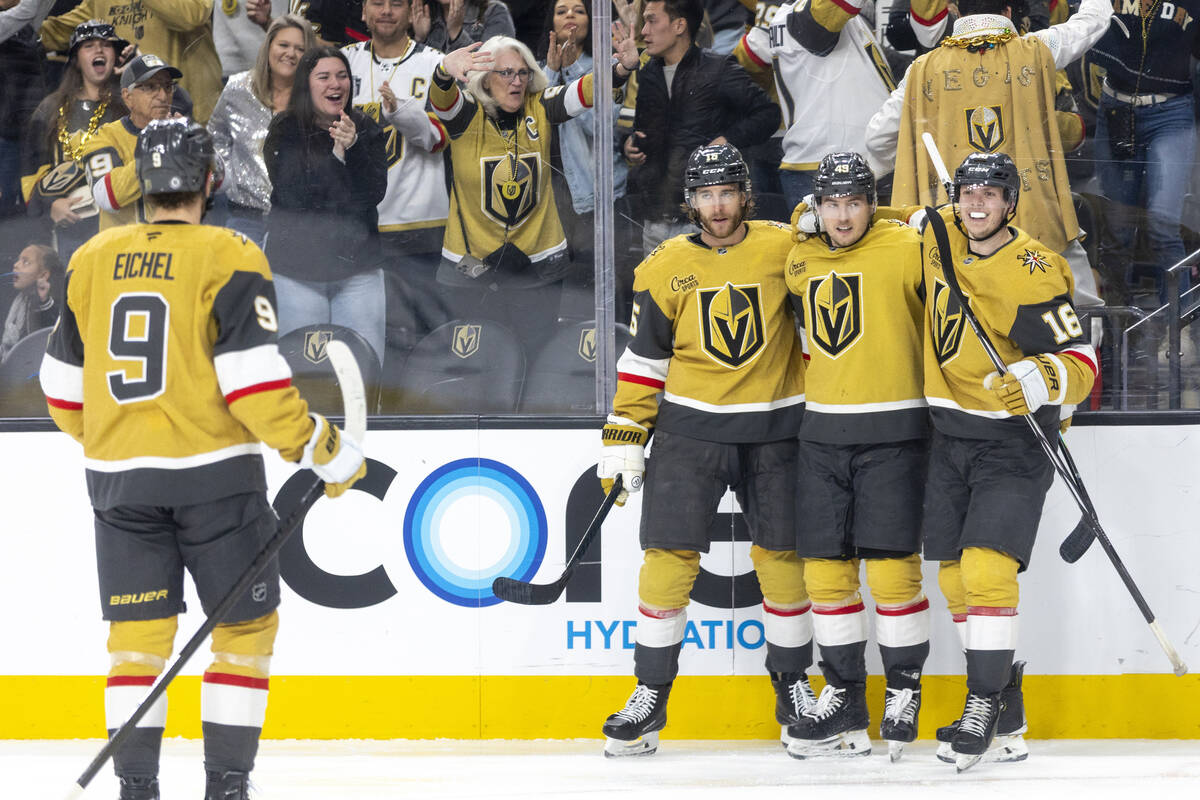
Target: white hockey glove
column 1025, row 386
column 805, row 220
column 337, row 459
column 624, row 454
column 917, row 220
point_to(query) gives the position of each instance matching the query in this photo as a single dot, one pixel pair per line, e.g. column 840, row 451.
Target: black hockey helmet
column 94, row 29
column 715, row 164
column 844, row 173
column 989, row 169
column 174, row 155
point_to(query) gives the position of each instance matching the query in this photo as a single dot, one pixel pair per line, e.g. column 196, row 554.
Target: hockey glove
column 337, row 459
column 805, row 220
column 1025, row 386
column 624, row 454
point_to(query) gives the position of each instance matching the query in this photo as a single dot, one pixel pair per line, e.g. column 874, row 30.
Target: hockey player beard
column 720, row 220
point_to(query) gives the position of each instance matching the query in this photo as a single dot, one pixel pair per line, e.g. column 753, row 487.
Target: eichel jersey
column 862, row 311
column 416, row 191
column 164, row 365
column 112, row 174
column 817, row 50
column 501, row 181
column 713, row 331
column 1021, row 295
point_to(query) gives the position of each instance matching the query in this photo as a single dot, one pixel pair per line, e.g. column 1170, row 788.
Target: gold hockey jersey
column 1021, row 295
column 112, row 174
column 713, row 332
column 861, row 310
column 164, row 365
column 997, row 100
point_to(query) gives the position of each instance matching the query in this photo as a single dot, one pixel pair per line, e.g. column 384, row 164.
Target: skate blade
column 642, row 746
column 844, row 745
column 1004, row 749
column 896, row 750
column 963, row 762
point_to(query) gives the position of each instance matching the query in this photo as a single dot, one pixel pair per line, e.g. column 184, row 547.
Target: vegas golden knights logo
column 465, row 342
column 985, row 128
column 731, row 324
column 314, row 345
column 835, row 303
column 587, row 345
column 63, row 177
column 948, row 322
column 510, row 198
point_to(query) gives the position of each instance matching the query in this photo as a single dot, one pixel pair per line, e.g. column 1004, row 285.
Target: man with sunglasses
column 147, row 89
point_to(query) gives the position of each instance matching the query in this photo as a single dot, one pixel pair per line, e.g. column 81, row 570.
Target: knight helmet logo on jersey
column 948, row 322
column 731, row 323
column 314, row 345
column 835, row 303
column 510, row 188
column 985, row 128
column 465, row 342
column 587, row 345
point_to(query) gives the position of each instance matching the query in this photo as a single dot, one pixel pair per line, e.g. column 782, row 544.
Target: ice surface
column 758, row 770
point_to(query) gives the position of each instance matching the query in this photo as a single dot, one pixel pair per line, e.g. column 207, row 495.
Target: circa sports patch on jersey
column 731, row 323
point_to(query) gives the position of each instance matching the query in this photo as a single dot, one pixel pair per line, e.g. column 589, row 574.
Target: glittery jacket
column 239, row 127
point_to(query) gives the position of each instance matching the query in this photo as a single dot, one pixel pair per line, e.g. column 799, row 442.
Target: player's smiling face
column 329, row 85
column 721, row 210
column 387, row 20
column 845, row 218
column 96, row 59
column 285, row 52
column 983, row 209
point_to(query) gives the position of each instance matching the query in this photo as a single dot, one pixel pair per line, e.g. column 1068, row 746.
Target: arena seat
column 20, row 392
column 467, row 366
column 304, row 351
column 562, row 379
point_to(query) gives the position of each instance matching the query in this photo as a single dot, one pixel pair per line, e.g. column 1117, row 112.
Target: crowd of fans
column 406, row 164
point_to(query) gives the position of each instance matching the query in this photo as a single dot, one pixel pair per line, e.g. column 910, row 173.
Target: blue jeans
column 1155, row 178
column 356, row 303
column 796, row 185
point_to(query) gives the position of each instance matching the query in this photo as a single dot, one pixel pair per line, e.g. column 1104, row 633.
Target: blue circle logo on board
column 472, row 521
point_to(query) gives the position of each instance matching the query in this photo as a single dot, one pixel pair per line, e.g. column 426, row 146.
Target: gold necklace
column 75, row 151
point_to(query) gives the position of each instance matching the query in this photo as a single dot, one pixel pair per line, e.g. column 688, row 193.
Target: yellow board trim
column 528, row 707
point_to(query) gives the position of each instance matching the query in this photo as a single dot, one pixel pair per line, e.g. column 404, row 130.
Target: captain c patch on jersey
column 835, row 303
column 731, row 323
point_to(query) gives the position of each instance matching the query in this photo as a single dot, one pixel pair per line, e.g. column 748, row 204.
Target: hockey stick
column 1089, row 515
column 543, row 594
column 355, row 404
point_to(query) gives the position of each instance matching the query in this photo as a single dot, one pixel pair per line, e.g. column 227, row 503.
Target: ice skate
column 138, row 788
column 793, row 697
column 835, row 726
column 901, row 706
column 633, row 731
column 227, row 786
column 1009, row 743
column 976, row 729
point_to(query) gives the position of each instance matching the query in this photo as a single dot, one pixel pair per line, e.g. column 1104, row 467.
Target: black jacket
column 711, row 96
column 323, row 225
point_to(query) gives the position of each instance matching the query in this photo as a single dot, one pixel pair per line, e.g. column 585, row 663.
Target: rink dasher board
column 408, row 638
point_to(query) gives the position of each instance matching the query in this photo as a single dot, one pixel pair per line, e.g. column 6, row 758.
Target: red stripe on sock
column 959, row 617
column 900, row 612
column 655, row 614
column 131, row 680
column 854, row 609
column 991, row 611
column 789, row 612
column 246, row 682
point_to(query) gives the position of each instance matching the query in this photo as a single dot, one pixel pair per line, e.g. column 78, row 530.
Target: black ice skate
column 138, row 788
column 227, row 786
column 836, row 725
column 793, row 697
column 976, row 729
column 1009, row 744
column 633, row 731
column 901, row 706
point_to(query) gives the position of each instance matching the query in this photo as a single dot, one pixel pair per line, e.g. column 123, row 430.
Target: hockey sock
column 789, row 635
column 991, row 642
column 903, row 634
column 841, row 632
column 233, row 693
column 659, row 638
column 138, row 651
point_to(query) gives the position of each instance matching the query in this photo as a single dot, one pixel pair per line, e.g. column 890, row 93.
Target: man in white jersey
column 830, row 77
column 391, row 74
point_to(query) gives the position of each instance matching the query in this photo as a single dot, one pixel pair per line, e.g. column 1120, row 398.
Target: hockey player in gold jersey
column 164, row 365
column 859, row 292
column 988, row 476
column 713, row 332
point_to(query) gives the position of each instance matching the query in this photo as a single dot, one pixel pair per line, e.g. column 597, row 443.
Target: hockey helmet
column 845, row 173
column 173, row 155
column 989, row 169
column 94, row 29
column 715, row 164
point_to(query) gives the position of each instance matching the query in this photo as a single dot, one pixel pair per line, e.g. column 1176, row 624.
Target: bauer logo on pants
column 835, row 303
column 731, row 323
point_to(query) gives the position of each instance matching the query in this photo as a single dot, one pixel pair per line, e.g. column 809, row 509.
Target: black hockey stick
column 354, row 402
column 543, row 594
column 1081, row 537
column 1070, row 478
